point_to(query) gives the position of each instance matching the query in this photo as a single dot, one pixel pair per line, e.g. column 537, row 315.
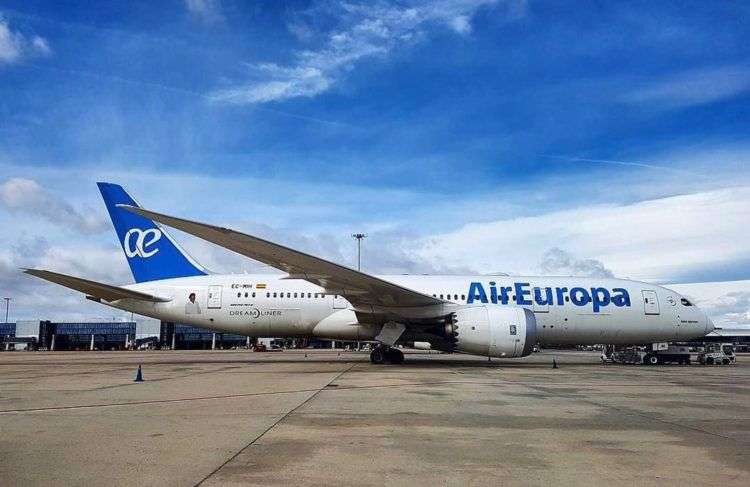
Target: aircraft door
column 214, row 297
column 650, row 303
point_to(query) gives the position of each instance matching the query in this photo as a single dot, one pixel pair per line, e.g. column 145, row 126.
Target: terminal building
column 113, row 335
column 128, row 335
column 187, row 337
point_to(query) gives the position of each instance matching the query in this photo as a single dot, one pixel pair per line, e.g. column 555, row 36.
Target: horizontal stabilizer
column 94, row 289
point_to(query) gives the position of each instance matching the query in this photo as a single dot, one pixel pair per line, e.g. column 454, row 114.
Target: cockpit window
column 685, row 302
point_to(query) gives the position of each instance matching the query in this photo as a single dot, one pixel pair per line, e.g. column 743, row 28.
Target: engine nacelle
column 493, row 331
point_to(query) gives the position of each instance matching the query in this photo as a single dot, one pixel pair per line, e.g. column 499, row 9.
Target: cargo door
column 650, row 303
column 214, row 297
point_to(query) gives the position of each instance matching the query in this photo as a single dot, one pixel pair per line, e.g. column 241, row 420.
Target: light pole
column 7, row 304
column 359, row 237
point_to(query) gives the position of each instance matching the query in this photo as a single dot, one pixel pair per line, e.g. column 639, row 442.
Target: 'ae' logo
column 137, row 242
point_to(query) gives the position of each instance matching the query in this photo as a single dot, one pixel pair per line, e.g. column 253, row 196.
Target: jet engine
column 493, row 331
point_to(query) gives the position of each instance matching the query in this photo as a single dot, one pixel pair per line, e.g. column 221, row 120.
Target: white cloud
column 652, row 240
column 363, row 31
column 14, row 45
column 208, row 11
column 557, row 262
column 281, row 82
column 461, row 24
column 41, row 45
column 689, row 88
column 26, row 196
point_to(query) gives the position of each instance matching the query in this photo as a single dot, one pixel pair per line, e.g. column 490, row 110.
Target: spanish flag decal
column 260, row 286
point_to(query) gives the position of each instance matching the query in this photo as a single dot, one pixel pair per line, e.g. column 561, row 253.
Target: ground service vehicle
column 664, row 353
column 717, row 354
column 655, row 354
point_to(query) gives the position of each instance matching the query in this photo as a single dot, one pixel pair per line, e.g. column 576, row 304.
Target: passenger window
column 253, row 294
column 295, row 295
column 455, row 297
column 288, row 295
column 309, row 295
column 268, row 295
column 441, row 296
column 274, row 295
column 463, row 297
column 513, row 329
column 246, row 295
column 239, row 295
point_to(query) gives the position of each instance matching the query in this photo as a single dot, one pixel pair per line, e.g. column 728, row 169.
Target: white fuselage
column 568, row 310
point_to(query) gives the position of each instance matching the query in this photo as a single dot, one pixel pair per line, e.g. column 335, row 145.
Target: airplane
column 493, row 316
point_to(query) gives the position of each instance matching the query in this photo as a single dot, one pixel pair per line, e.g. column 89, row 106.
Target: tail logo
column 137, row 242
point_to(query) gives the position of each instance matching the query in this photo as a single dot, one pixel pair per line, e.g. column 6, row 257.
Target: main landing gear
column 383, row 354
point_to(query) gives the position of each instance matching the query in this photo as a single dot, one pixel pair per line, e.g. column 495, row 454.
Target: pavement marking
column 502, row 382
column 155, row 401
column 282, row 418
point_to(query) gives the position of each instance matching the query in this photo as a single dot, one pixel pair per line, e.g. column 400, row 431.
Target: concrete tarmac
column 244, row 418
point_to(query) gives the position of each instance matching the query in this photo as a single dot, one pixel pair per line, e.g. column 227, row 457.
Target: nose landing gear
column 383, row 354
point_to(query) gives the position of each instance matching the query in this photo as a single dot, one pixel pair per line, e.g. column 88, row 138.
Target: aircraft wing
column 93, row 289
column 357, row 287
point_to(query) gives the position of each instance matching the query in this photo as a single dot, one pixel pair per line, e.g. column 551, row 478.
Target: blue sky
column 461, row 135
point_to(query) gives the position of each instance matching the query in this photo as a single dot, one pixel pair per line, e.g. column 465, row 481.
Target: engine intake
column 493, row 331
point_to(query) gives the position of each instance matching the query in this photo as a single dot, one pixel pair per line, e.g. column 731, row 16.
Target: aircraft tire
column 377, row 356
column 395, row 356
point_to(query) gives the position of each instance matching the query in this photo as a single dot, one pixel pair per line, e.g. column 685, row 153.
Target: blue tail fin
column 151, row 252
